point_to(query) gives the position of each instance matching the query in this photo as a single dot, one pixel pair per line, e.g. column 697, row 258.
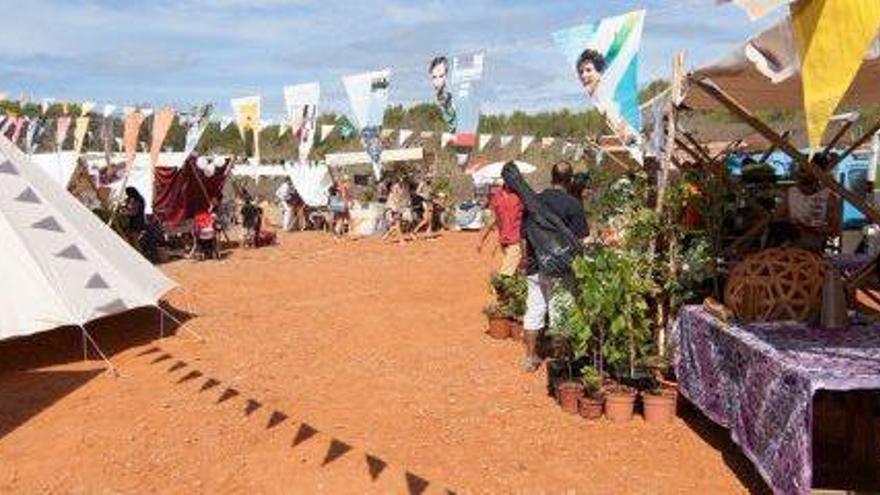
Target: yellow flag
column 833, row 37
column 79, row 133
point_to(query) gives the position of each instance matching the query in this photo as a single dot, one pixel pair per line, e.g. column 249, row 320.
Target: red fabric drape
column 177, row 195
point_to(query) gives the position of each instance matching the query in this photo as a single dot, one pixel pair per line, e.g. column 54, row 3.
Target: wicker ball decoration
column 776, row 284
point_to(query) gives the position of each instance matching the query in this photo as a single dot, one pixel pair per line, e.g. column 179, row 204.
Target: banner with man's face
column 605, row 58
column 302, row 109
column 456, row 85
column 368, row 97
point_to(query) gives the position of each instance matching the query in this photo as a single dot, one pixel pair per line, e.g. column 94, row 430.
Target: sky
column 187, row 52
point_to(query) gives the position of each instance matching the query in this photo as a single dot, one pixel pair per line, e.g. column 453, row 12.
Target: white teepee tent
column 60, row 265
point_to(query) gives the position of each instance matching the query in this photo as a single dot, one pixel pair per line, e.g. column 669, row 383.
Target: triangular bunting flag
column 445, row 138
column 326, row 130
column 282, row 129
column 86, row 107
column 386, row 133
column 161, row 125
column 426, row 134
column 108, row 110
column 336, row 450
column 63, row 125
column 547, row 142
column 79, row 133
column 505, row 141
column 832, row 38
column 403, row 136
column 484, row 140
column 525, row 142
column 147, row 112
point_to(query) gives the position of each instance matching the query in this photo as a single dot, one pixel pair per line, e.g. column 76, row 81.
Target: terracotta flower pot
column 499, row 327
column 591, row 408
column 619, row 406
column 569, row 393
column 660, row 408
column 517, row 332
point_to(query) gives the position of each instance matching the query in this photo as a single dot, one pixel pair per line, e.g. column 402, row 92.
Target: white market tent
column 61, row 265
column 491, row 173
column 763, row 73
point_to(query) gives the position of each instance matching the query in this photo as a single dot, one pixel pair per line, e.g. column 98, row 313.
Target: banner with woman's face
column 605, row 59
column 456, row 91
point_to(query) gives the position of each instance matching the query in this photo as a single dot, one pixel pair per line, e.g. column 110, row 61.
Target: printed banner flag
column 199, row 121
column 403, row 136
column 62, row 126
column 301, row 101
column 368, row 97
column 505, row 141
column 79, row 133
column 525, row 142
column 758, row 8
column 161, row 125
column 35, row 129
column 247, row 113
column 605, row 57
column 456, row 95
column 832, row 38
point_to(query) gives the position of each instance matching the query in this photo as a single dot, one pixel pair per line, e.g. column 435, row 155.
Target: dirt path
column 330, row 368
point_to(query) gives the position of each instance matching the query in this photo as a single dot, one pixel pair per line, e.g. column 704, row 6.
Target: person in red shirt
column 507, row 210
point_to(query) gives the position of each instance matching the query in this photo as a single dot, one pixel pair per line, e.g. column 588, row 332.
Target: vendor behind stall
column 809, row 214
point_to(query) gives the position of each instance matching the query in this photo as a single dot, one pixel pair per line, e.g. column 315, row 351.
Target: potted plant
column 660, row 400
column 590, row 405
column 510, row 291
column 499, row 325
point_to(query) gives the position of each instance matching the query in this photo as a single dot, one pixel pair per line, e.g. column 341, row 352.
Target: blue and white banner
column 605, row 58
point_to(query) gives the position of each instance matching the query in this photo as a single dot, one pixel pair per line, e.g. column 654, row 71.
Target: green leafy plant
column 592, row 380
column 511, row 291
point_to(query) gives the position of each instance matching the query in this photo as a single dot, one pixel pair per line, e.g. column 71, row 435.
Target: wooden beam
column 856, row 145
column 837, row 137
column 773, row 148
column 713, row 91
column 697, row 146
column 687, row 149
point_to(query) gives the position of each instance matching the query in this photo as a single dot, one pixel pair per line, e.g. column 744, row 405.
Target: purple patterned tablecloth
column 758, row 380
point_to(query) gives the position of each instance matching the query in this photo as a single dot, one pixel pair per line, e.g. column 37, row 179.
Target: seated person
column 808, row 216
column 264, row 236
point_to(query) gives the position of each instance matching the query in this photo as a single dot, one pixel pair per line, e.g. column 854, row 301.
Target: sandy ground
column 326, row 367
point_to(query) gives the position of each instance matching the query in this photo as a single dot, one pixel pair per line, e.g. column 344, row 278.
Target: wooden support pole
column 837, row 137
column 825, row 179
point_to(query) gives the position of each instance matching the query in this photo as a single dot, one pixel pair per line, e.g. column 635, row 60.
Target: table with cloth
column 759, row 379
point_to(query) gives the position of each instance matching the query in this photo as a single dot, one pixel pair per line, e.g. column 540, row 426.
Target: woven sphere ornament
column 776, row 284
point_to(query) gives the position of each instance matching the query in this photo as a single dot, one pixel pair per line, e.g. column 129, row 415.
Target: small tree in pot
column 511, row 291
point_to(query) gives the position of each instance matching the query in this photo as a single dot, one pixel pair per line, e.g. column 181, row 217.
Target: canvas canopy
column 61, row 265
column 763, row 74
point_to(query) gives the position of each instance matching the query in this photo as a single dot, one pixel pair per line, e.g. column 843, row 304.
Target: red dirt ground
column 378, row 349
